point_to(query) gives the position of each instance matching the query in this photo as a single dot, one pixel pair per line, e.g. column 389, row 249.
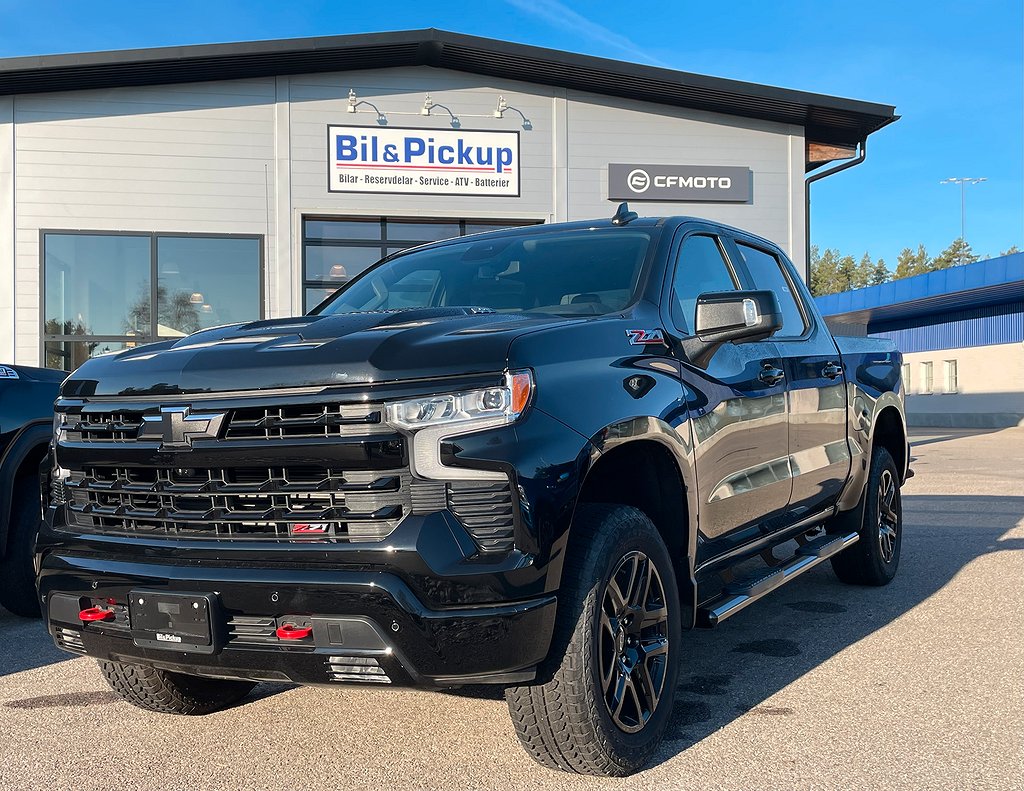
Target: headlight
column 431, row 419
column 60, row 420
column 506, row 403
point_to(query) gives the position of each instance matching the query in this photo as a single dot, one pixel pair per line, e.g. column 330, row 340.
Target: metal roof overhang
column 993, row 282
column 826, row 119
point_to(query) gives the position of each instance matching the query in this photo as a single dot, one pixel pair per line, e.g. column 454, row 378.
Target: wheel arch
column 22, row 457
column 890, row 432
column 645, row 463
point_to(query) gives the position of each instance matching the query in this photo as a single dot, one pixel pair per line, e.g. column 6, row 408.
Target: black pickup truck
column 26, row 427
column 529, row 458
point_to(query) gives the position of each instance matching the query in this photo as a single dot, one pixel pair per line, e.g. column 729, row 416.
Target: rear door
column 737, row 407
column 819, row 457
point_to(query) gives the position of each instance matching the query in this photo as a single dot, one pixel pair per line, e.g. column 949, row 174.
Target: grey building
column 149, row 193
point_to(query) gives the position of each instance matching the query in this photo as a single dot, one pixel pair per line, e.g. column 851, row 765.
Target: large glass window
column 106, row 292
column 570, row 272
column 766, row 270
column 700, row 269
column 336, row 250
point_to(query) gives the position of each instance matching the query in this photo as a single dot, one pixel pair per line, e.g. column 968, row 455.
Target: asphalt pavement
column 918, row 685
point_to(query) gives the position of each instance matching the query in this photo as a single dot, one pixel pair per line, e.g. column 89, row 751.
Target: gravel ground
column 917, row 685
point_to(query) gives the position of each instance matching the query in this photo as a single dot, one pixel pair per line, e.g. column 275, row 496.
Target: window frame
column 383, row 243
column 929, row 380
column 905, row 372
column 785, row 266
column 676, row 249
column 154, row 284
column 951, row 366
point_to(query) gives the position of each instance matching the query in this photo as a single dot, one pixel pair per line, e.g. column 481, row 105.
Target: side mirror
column 732, row 316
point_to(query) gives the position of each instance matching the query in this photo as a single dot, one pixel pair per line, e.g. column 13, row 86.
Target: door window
column 701, row 268
column 766, row 271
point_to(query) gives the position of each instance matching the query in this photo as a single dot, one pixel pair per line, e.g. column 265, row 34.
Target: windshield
column 585, row 271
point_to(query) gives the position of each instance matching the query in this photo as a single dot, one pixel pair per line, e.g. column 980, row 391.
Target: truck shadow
column 25, row 645
column 730, row 672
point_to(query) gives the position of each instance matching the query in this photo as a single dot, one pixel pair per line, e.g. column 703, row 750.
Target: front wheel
column 605, row 706
column 873, row 560
column 17, row 575
column 172, row 693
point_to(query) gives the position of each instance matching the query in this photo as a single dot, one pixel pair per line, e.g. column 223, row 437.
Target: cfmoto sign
column 691, row 183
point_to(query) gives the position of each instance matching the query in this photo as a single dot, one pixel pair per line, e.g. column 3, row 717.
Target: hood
column 342, row 349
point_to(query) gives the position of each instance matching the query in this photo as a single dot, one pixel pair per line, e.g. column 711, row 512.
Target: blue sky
column 954, row 70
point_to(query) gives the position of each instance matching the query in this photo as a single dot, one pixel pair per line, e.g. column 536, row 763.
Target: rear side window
column 700, row 269
column 766, row 270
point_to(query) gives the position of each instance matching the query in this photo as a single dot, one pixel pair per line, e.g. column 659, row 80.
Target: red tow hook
column 290, row 631
column 96, row 614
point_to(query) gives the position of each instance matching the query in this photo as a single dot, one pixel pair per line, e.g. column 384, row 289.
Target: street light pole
column 963, row 181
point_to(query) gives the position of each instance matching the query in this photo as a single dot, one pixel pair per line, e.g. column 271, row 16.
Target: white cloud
column 560, row 15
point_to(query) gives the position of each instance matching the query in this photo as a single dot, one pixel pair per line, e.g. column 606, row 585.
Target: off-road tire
column 17, row 574
column 563, row 720
column 172, row 693
column 865, row 563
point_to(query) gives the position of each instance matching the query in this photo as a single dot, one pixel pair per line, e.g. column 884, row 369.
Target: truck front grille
column 242, row 503
column 288, row 421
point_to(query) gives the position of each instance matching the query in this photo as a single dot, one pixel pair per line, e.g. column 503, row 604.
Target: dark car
column 26, row 427
column 529, row 458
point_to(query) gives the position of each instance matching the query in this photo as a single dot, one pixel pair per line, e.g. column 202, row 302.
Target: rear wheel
column 172, row 693
column 873, row 560
column 606, row 703
column 17, row 574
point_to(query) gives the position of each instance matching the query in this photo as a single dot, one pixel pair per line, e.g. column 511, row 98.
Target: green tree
column 1013, row 249
column 957, row 254
column 862, row 273
column 846, row 273
column 910, row 263
column 879, row 273
column 823, row 272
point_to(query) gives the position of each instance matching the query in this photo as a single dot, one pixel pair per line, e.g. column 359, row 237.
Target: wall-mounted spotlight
column 502, row 107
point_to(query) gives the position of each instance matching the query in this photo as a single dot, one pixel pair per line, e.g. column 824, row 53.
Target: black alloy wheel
column 634, row 642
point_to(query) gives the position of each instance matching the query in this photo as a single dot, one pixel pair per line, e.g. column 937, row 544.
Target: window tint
column 767, row 273
column 700, row 269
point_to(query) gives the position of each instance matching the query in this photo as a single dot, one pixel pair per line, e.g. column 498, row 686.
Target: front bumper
column 367, row 625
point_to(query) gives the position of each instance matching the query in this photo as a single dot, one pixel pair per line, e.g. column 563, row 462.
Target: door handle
column 832, row 371
column 771, row 375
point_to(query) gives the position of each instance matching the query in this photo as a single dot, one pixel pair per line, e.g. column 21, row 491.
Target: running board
column 739, row 593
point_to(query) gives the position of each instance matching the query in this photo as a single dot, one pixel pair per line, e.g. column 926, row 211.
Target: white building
column 148, row 193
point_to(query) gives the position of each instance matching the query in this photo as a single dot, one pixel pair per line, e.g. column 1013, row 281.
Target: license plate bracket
column 176, row 621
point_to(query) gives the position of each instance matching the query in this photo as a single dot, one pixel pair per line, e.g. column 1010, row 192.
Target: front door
column 737, row 406
column 819, row 457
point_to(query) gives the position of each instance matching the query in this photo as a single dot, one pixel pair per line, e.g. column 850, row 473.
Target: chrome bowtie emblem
column 176, row 427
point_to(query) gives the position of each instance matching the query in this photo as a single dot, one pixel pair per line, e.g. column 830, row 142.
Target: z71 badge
column 644, row 337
